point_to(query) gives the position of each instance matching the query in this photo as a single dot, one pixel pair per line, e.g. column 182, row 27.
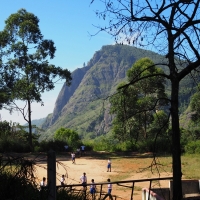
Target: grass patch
column 190, row 166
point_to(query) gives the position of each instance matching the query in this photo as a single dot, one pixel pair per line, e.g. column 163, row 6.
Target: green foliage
column 112, row 144
column 70, row 137
column 14, row 145
column 56, row 145
column 193, row 147
column 4, row 95
column 12, row 138
column 109, row 144
column 137, row 102
column 159, row 125
column 18, row 181
column 22, row 41
column 160, row 145
column 109, row 66
column 5, row 129
column 195, row 106
column 15, row 187
column 106, row 69
column 190, row 120
column 187, row 90
column 105, row 144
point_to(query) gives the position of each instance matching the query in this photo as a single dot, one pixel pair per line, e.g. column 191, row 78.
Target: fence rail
column 119, row 183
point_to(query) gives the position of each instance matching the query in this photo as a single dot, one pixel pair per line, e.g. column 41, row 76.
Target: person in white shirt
column 109, row 190
column 62, row 180
column 73, row 157
column 43, row 183
column 83, row 180
column 109, row 186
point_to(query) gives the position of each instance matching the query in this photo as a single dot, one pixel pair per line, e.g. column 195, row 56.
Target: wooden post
column 132, row 191
column 101, row 191
column 51, row 175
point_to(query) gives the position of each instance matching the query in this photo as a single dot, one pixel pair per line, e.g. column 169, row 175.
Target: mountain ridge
column 84, row 106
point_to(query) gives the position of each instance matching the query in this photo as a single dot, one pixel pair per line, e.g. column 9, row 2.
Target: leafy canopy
column 135, row 106
column 29, row 56
column 69, row 136
column 26, row 62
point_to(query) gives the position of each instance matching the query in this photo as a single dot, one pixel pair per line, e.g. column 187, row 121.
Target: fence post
column 51, row 175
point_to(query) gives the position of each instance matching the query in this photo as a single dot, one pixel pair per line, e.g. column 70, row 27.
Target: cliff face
column 84, row 106
column 66, row 93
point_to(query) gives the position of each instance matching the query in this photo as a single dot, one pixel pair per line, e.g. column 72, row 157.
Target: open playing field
column 124, row 167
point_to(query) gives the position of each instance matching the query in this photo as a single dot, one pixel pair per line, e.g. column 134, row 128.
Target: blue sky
column 68, row 23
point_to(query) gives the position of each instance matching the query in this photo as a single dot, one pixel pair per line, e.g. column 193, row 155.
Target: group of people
column 80, row 151
column 43, row 183
column 83, row 180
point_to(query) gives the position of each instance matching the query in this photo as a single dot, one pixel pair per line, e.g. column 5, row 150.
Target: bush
column 18, row 181
column 13, row 187
column 192, row 147
column 162, row 145
column 109, row 144
column 56, row 145
column 10, row 145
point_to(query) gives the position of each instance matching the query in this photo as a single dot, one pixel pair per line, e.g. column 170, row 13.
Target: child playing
column 92, row 188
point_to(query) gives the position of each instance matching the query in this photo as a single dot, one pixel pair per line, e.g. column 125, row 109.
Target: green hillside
column 86, row 109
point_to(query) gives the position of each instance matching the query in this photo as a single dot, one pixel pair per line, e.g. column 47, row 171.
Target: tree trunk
column 30, row 126
column 176, row 147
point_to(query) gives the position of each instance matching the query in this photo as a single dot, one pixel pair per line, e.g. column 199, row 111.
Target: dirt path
column 122, row 169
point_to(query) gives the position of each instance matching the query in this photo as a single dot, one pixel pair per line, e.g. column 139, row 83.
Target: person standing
column 82, row 150
column 93, row 189
column 66, row 147
column 73, row 157
column 43, row 183
column 78, row 152
column 62, row 180
column 83, row 180
column 109, row 186
column 109, row 165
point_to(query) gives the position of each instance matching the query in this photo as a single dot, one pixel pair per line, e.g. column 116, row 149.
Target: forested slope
column 84, row 106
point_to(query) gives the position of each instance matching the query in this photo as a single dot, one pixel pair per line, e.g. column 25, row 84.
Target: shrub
column 192, row 147
column 161, row 145
column 56, row 145
column 11, row 145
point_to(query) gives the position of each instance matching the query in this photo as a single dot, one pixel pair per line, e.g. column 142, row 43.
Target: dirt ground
column 125, row 168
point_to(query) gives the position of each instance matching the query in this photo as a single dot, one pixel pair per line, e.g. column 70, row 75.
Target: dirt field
column 124, row 167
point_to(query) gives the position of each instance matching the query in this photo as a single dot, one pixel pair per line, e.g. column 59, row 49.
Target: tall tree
column 69, row 136
column 195, row 106
column 135, row 105
column 26, row 53
column 7, row 79
column 170, row 28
